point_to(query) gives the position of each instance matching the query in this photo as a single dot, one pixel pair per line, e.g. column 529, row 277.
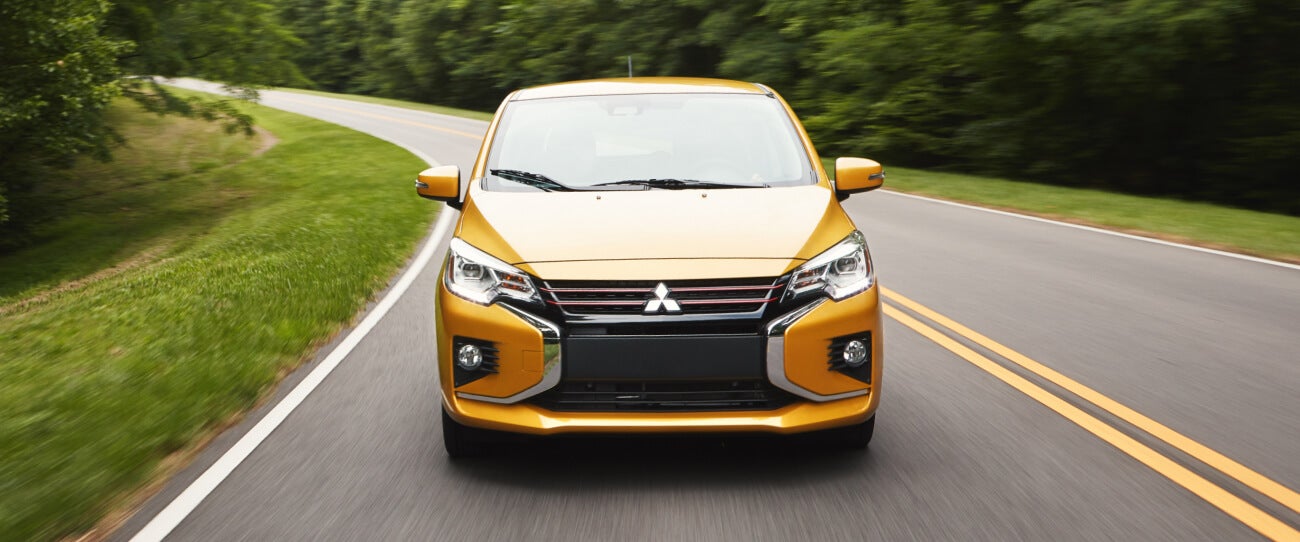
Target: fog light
column 469, row 357
column 855, row 353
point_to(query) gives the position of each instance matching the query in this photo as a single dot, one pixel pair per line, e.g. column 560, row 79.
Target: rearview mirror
column 440, row 183
column 853, row 175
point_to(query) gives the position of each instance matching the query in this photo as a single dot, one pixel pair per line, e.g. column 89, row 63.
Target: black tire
column 460, row 441
column 855, row 437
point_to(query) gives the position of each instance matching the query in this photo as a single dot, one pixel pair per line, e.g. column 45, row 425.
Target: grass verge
column 466, row 113
column 105, row 212
column 1215, row 226
column 269, row 255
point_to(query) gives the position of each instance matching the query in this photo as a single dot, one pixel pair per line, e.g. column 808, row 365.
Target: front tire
column 855, row 437
column 461, row 441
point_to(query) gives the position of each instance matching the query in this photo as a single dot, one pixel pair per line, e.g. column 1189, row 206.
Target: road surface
column 1043, row 382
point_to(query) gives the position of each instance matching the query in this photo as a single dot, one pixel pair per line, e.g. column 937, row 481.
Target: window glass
column 582, row 141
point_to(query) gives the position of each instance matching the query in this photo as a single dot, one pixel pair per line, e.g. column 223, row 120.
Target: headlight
column 479, row 277
column 840, row 271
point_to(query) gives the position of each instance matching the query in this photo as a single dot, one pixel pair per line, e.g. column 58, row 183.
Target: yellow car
column 650, row 255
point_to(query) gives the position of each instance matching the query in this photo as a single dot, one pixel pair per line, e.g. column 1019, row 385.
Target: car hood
column 655, row 233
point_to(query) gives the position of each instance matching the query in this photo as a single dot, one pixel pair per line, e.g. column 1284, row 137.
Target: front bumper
column 531, row 362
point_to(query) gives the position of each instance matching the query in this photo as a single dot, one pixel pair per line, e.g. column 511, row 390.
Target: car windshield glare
column 696, row 140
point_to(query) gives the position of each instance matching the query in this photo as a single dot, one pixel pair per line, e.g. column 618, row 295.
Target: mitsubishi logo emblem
column 661, row 300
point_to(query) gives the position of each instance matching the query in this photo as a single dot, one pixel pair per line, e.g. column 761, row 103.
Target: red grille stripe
column 724, row 288
column 614, row 303
column 648, row 290
column 599, row 290
column 723, row 301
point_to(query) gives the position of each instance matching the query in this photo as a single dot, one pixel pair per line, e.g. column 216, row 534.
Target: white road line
column 1101, row 230
column 180, row 507
column 204, row 86
column 393, row 109
column 421, row 154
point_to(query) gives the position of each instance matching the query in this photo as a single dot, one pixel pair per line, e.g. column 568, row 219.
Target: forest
column 1193, row 99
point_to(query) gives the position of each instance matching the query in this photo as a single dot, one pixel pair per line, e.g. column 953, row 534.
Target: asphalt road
column 1203, row 345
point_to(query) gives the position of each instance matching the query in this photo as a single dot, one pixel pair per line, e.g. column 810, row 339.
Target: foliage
column 1198, row 99
column 158, row 99
column 62, row 61
column 143, row 198
column 238, row 42
column 104, row 379
column 57, row 74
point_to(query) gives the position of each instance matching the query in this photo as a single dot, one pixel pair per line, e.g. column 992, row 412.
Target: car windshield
column 646, row 141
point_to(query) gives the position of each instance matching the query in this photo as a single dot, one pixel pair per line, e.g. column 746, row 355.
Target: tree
column 57, row 74
column 238, row 42
column 63, row 61
column 1192, row 98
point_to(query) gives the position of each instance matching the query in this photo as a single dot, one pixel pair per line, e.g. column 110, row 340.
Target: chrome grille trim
column 723, row 296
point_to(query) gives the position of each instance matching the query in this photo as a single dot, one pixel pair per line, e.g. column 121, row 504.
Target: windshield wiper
column 535, row 180
column 678, row 184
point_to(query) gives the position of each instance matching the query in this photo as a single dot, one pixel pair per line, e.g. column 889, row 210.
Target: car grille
column 577, row 396
column 693, row 296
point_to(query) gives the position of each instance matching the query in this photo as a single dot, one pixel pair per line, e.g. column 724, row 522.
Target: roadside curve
column 1109, row 327
column 180, row 507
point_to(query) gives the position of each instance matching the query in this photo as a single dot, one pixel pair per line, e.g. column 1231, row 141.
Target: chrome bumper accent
column 550, row 361
column 776, row 357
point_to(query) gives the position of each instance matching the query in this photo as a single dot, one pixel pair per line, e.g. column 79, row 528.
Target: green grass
column 269, row 257
column 1239, row 230
column 466, row 113
column 107, row 212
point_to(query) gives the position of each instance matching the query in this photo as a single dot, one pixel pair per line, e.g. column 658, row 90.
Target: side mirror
column 853, row 175
column 440, row 183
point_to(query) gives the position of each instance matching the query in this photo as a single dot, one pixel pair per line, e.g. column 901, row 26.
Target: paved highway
column 1043, row 382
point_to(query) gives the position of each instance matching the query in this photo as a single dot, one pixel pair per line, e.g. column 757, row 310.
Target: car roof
column 640, row 85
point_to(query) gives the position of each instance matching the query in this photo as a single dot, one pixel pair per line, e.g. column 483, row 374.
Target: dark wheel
column 855, row 437
column 460, row 441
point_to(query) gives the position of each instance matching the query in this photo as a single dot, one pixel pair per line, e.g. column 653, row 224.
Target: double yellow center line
column 1234, row 506
column 1231, row 504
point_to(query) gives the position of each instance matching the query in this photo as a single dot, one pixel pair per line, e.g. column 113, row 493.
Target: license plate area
column 663, row 357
